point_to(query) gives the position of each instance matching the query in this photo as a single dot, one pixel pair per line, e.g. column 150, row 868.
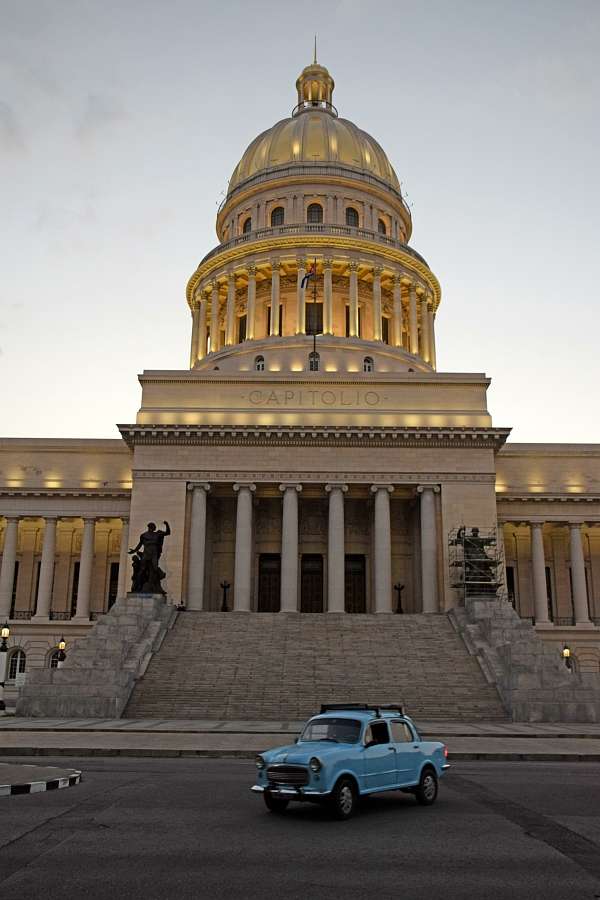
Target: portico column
column 428, row 547
column 230, row 320
column 251, row 305
column 197, row 546
column 397, row 311
column 195, row 332
column 538, row 562
column 274, row 297
column 7, row 572
column 377, row 303
column 336, row 564
column 580, row 602
column 214, row 318
column 424, row 328
column 86, row 562
column 413, row 331
column 383, row 548
column 300, row 297
column 201, row 353
column 327, row 297
column 289, row 547
column 242, row 578
column 353, row 298
column 123, row 560
column 432, row 357
column 46, row 569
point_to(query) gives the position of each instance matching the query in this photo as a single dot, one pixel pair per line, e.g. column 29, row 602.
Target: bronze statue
column 147, row 574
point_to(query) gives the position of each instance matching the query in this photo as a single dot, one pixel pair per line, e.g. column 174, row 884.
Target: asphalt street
column 171, row 828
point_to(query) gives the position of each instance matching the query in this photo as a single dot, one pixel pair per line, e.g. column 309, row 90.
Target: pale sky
column 122, row 120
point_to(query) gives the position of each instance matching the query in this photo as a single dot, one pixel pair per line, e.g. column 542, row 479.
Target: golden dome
column 315, row 135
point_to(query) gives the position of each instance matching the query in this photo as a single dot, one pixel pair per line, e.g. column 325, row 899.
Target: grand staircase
column 281, row 666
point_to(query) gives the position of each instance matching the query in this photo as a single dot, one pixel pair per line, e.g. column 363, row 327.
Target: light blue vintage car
column 347, row 752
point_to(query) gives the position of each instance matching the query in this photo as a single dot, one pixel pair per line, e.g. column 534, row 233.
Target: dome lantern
column 315, row 89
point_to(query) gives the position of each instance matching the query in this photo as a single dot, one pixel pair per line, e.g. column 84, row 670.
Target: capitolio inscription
column 310, row 397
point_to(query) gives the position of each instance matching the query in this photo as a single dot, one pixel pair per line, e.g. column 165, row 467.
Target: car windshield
column 343, row 731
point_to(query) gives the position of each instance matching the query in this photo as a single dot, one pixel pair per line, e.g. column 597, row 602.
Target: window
column 345, row 731
column 313, row 361
column 247, row 226
column 74, row 588
column 280, row 331
column 367, row 364
column 314, row 214
column 54, row 659
column 377, row 733
column 401, row 733
column 259, row 364
column 313, row 318
column 381, row 226
column 242, row 322
column 13, row 596
column 510, row 586
column 351, row 217
column 16, row 664
column 549, row 593
column 348, row 322
column 113, row 584
column 277, row 216
column 385, row 330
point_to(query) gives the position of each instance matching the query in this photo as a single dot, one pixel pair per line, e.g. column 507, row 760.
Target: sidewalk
column 205, row 737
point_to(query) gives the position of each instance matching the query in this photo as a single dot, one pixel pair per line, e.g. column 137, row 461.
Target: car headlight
column 315, row 764
column 260, row 763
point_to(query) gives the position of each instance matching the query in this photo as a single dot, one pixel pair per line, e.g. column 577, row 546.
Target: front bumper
column 289, row 793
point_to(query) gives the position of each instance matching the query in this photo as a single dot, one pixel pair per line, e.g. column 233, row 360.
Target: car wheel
column 275, row 804
column 427, row 788
column 344, row 799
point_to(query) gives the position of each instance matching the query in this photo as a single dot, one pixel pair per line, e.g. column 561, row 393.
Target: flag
column 310, row 274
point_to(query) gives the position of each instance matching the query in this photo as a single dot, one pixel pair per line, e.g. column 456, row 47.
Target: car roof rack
column 364, row 707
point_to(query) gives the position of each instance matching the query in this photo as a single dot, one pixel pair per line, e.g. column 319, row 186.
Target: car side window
column 401, row 733
column 377, row 733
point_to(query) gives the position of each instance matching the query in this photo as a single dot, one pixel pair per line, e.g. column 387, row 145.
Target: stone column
column 201, row 353
column 86, row 562
column 230, row 320
column 46, row 569
column 124, row 580
column 538, row 564
column 242, row 578
column 377, row 303
column 580, row 602
column 336, row 562
column 383, row 548
column 300, row 297
column 289, row 547
column 428, row 547
column 251, row 305
column 424, row 328
column 274, row 298
column 397, row 315
column 432, row 357
column 195, row 332
column 197, row 546
column 7, row 572
column 214, row 318
column 327, row 297
column 413, row 331
column 353, row 298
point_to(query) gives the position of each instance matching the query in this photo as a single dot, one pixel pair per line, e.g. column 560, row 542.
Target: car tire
column 275, row 804
column 427, row 789
column 344, row 799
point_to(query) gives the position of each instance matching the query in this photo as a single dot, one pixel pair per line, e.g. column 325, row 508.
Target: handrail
column 305, row 228
column 306, row 168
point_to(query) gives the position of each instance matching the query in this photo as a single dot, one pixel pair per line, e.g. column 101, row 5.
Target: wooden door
column 269, row 582
column 311, row 583
column 355, row 583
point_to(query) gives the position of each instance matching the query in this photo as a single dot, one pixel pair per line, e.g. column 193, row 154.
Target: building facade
column 311, row 457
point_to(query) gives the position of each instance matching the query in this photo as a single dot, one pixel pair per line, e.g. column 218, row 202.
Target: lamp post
column 225, row 586
column 399, row 588
column 61, row 656
column 4, row 635
column 566, row 655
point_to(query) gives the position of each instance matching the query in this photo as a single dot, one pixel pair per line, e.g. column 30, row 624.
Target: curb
column 76, row 752
column 36, row 787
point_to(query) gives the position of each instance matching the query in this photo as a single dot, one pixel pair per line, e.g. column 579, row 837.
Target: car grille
column 296, row 775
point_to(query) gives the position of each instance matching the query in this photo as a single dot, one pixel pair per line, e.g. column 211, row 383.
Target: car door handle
column 415, row 746
column 393, row 748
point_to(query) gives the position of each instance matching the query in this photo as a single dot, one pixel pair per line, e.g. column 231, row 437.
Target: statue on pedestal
column 147, row 574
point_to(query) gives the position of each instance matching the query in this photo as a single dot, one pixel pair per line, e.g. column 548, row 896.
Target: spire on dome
column 315, row 54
